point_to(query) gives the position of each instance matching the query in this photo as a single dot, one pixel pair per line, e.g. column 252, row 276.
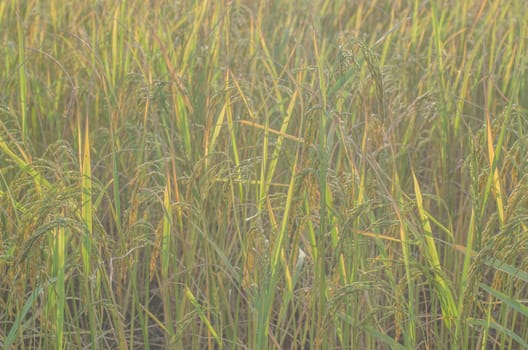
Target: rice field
column 312, row 174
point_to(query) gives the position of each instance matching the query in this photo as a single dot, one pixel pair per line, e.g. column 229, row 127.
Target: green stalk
column 319, row 309
column 87, row 219
column 57, row 296
column 166, row 259
column 22, row 78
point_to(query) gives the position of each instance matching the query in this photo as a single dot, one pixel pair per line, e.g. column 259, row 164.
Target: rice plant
column 263, row 175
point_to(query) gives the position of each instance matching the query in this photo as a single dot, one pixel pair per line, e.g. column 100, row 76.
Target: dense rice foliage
column 274, row 174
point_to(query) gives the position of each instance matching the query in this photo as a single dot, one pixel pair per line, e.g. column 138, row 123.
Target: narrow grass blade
column 385, row 338
column 165, row 254
column 87, row 219
column 22, row 78
column 494, row 178
column 513, row 303
column 24, row 165
column 166, row 236
column 501, row 328
column 449, row 307
column 58, row 292
column 86, row 200
column 15, row 328
column 410, row 331
column 203, row 317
